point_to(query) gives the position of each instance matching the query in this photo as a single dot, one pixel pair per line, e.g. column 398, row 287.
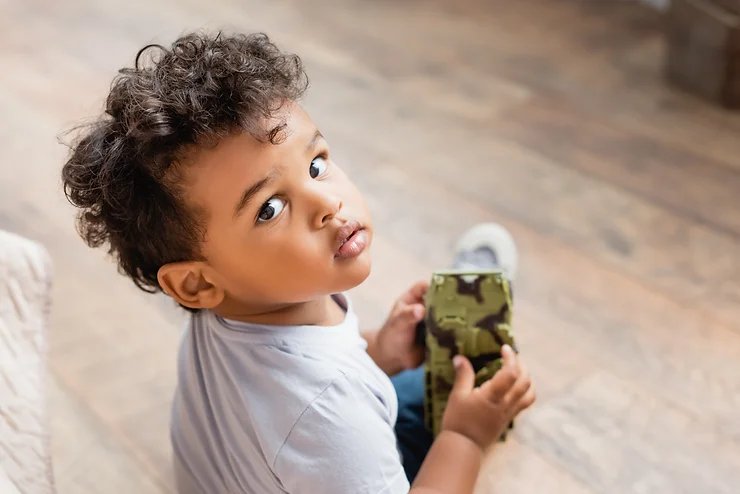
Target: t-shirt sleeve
column 343, row 443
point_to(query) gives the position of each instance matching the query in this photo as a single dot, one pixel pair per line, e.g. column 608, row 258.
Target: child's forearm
column 451, row 466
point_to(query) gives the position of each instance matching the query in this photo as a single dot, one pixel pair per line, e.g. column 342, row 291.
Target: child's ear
column 186, row 283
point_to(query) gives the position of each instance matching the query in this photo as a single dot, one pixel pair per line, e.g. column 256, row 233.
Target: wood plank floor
column 550, row 117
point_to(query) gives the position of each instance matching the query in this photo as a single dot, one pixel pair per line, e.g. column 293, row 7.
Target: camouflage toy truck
column 468, row 313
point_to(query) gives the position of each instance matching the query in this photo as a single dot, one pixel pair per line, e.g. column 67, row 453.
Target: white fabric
column 300, row 409
column 25, row 301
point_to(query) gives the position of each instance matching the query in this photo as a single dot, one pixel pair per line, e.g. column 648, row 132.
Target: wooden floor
column 550, row 117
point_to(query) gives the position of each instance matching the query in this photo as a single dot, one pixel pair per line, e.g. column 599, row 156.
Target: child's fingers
column 416, row 293
column 420, row 288
column 520, row 387
column 496, row 388
column 464, row 376
column 414, row 312
column 527, row 400
column 509, row 356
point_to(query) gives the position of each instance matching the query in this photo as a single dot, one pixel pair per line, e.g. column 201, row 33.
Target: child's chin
column 354, row 275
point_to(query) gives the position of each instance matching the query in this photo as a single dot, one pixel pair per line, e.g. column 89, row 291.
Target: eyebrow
column 250, row 193
column 312, row 143
column 261, row 184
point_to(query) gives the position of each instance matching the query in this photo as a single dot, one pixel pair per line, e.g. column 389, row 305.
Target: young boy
column 209, row 182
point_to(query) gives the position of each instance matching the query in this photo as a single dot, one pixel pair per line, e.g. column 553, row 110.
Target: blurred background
column 601, row 133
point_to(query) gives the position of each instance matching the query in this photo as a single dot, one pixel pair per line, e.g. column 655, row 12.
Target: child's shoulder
column 278, row 381
column 300, row 361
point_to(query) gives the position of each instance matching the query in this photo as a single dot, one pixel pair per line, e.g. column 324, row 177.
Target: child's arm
column 474, row 419
column 451, row 466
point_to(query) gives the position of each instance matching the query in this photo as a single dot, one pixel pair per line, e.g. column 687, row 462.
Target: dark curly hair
column 124, row 173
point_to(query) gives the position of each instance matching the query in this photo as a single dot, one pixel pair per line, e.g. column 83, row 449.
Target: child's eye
column 318, row 167
column 270, row 209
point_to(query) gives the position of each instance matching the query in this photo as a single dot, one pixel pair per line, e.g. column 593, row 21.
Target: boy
column 209, row 182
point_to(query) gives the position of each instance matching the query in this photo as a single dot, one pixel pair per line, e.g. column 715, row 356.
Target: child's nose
column 327, row 206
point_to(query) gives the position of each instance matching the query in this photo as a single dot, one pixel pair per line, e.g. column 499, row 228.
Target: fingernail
column 457, row 361
column 418, row 312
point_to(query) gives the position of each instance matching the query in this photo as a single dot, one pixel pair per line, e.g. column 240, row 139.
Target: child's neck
column 323, row 311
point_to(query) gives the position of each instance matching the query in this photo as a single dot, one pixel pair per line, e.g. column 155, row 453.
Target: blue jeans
column 414, row 440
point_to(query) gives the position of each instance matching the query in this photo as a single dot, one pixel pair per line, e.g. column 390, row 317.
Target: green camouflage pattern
column 468, row 313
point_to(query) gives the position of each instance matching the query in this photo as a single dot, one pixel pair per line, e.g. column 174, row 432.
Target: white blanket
column 25, row 301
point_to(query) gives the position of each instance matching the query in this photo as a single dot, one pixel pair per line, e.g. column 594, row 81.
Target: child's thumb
column 464, row 375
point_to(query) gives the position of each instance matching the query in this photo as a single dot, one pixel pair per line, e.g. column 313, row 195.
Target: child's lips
column 352, row 239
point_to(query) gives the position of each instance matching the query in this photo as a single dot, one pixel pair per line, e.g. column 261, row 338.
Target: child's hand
column 395, row 340
column 481, row 414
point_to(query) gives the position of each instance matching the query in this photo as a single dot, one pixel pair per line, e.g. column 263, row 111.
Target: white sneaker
column 487, row 246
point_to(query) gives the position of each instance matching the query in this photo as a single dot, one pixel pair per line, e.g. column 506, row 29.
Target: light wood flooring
column 550, row 117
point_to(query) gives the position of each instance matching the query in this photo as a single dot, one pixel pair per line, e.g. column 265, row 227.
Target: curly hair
column 124, row 172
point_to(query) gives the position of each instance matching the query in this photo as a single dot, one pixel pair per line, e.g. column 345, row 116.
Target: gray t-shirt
column 266, row 409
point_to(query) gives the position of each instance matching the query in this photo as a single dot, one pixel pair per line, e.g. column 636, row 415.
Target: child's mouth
column 347, row 239
column 352, row 240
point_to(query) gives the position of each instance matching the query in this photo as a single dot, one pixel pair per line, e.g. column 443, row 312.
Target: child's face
column 276, row 216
